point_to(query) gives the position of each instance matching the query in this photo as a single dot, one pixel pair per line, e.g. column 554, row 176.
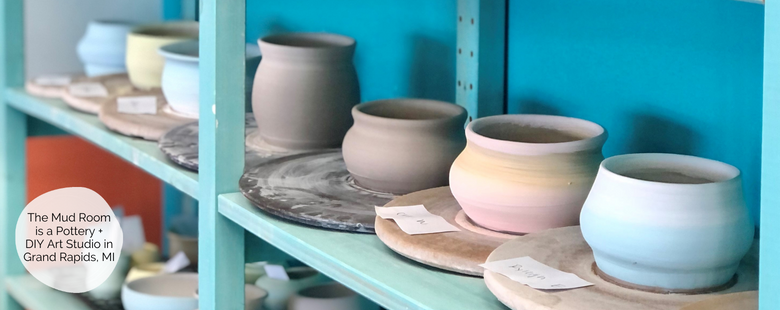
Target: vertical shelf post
column 221, row 151
column 769, row 262
column 480, row 56
column 13, row 133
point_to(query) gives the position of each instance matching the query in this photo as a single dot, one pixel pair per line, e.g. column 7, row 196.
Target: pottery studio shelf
column 142, row 153
column 363, row 262
column 34, row 295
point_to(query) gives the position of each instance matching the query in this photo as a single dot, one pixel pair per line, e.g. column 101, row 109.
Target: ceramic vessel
column 404, row 145
column 165, row 292
column 112, row 287
column 304, row 89
column 526, row 173
column 149, row 253
column 331, row 296
column 181, row 243
column 279, row 291
column 253, row 297
column 180, row 77
column 144, row 64
column 253, row 271
column 144, row 271
column 102, row 49
column 667, row 221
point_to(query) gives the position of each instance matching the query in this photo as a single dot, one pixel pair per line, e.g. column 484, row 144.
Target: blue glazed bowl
column 102, row 49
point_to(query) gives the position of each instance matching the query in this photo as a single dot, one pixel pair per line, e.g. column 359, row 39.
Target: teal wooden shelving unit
column 359, row 261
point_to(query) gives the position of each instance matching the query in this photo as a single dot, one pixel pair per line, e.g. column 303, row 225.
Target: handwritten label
column 137, row 105
column 276, row 272
column 415, row 220
column 176, row 263
column 88, row 90
column 530, row 272
column 52, row 80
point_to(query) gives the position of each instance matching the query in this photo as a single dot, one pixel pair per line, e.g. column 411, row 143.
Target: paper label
column 176, row 263
column 90, row 89
column 415, row 220
column 276, row 272
column 134, row 238
column 530, row 272
column 52, row 80
column 137, row 105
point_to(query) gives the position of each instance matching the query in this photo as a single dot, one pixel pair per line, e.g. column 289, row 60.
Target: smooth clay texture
column 667, row 221
column 165, row 292
column 102, row 49
column 144, row 64
column 401, row 146
column 331, row 296
column 304, row 90
column 526, row 173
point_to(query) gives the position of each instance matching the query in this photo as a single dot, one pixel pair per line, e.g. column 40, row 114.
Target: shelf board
column 142, row 153
column 363, row 263
column 34, row 295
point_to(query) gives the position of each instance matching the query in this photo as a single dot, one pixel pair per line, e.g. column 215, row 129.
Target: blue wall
column 681, row 76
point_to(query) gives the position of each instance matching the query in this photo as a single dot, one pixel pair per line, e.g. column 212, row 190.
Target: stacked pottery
column 279, row 291
column 180, row 76
column 144, row 64
column 304, row 89
column 526, row 173
column 102, row 49
column 665, row 222
column 331, row 296
column 404, row 145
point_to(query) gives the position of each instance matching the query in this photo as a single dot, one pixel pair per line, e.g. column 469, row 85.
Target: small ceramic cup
column 102, row 48
column 144, row 271
column 667, row 222
column 279, row 291
column 180, row 243
column 144, row 64
column 164, row 292
column 331, row 296
column 401, row 146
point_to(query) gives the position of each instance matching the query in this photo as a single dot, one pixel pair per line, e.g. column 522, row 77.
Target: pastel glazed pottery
column 331, row 296
column 148, row 253
column 144, row 64
column 144, row 271
column 279, row 291
column 667, row 221
column 253, row 271
column 102, row 49
column 181, row 243
column 112, row 287
column 164, row 292
column 180, row 77
column 304, row 89
column 404, row 145
column 526, row 173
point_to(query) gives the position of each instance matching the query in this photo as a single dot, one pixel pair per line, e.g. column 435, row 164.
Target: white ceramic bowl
column 253, row 297
column 164, row 292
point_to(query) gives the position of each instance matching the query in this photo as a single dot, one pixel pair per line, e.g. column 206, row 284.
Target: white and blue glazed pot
column 102, row 49
column 666, row 221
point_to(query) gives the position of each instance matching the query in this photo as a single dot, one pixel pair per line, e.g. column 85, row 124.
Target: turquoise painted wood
column 363, row 263
column 221, row 151
column 34, row 295
column 172, row 200
column 769, row 262
column 480, row 57
column 13, row 132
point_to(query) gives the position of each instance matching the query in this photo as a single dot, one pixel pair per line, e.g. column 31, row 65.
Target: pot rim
column 306, row 292
column 136, row 285
column 189, row 51
column 449, row 112
column 721, row 172
column 113, row 23
column 162, row 30
column 598, row 135
column 328, row 40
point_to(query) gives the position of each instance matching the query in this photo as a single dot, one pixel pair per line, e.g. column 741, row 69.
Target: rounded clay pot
column 526, row 173
column 164, row 292
column 144, row 271
column 667, row 221
column 102, row 48
column 279, row 291
column 331, row 296
column 404, row 145
column 180, row 77
column 181, row 243
column 304, row 89
column 144, row 64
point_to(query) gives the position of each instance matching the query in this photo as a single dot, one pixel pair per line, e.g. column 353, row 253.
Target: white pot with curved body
column 525, row 173
column 304, row 89
column 667, row 221
column 404, row 145
column 279, row 291
column 165, row 292
column 102, row 48
column 331, row 296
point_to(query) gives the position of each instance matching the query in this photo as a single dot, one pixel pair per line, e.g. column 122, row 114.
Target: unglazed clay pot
column 667, row 221
column 331, row 296
column 181, row 78
column 404, row 145
column 526, row 173
column 144, row 64
column 304, row 89
column 279, row 291
column 102, row 49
